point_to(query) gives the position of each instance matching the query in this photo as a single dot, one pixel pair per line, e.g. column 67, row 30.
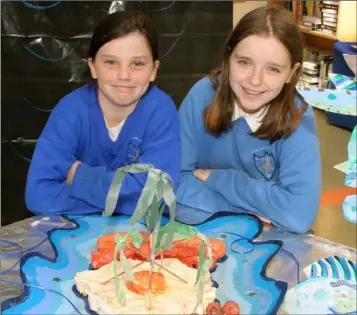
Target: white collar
column 118, row 126
column 254, row 121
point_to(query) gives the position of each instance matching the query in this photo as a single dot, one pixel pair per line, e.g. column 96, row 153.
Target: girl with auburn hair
column 248, row 140
column 120, row 119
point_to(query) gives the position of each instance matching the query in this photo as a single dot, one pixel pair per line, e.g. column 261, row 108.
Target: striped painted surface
column 334, row 267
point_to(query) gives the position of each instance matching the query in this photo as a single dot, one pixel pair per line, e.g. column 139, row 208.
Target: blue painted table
column 260, row 265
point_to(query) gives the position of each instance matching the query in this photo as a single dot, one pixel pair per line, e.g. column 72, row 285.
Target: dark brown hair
column 122, row 23
column 282, row 116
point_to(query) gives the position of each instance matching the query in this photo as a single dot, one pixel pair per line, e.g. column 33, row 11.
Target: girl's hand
column 71, row 172
column 264, row 220
column 202, row 175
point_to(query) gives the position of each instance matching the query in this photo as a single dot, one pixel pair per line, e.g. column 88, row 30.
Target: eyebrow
column 270, row 63
column 276, row 65
column 115, row 57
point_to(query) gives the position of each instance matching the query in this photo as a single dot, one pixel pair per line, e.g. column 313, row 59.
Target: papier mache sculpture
column 164, row 270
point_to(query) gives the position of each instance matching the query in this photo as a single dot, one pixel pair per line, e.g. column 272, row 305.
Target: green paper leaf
column 120, row 243
column 120, row 292
column 176, row 231
column 170, row 199
column 154, row 237
column 152, row 214
column 113, row 193
column 202, row 259
column 146, row 197
column 136, row 239
column 205, row 263
column 199, row 295
column 127, row 267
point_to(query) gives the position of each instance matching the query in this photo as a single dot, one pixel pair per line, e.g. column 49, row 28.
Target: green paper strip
column 169, row 199
column 126, row 266
column 119, row 289
column 120, row 292
column 154, row 237
column 179, row 232
column 113, row 193
column 205, row 262
column 146, row 197
column 136, row 239
column 153, row 215
column 200, row 276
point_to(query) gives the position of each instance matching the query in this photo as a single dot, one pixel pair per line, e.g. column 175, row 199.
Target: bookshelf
column 307, row 30
column 299, row 9
column 280, row 4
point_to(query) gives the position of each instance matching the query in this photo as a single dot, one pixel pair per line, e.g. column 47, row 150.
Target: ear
column 154, row 70
column 293, row 71
column 92, row 68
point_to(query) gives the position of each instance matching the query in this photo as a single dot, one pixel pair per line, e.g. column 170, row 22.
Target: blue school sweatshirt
column 280, row 181
column 76, row 130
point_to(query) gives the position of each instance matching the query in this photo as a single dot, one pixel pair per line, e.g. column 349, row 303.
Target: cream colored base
column 179, row 298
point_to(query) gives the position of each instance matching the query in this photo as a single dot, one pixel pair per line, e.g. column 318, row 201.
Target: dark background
column 43, row 57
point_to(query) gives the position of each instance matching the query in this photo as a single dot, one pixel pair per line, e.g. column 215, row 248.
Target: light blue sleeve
column 201, row 200
column 293, row 202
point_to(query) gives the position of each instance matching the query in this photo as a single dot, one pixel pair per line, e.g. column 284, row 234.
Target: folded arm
column 56, row 151
column 192, row 192
column 160, row 147
column 292, row 203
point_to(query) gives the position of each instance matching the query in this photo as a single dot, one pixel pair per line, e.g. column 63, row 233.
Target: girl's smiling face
column 259, row 66
column 124, row 68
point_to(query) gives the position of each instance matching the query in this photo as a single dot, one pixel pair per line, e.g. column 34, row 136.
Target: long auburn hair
column 282, row 116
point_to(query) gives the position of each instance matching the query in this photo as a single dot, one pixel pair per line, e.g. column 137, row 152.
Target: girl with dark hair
column 118, row 120
column 248, row 140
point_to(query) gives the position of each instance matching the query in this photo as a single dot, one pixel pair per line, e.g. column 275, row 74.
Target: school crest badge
column 134, row 150
column 265, row 164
